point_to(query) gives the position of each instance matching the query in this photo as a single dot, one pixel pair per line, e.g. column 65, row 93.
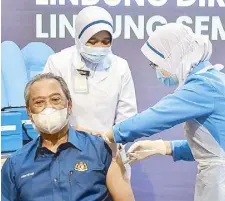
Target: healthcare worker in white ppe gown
column 182, row 58
column 100, row 82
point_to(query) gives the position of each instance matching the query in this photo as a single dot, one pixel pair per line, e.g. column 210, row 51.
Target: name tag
column 80, row 81
column 27, row 175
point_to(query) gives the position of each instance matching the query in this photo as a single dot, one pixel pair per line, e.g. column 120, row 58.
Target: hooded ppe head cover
column 90, row 21
column 175, row 48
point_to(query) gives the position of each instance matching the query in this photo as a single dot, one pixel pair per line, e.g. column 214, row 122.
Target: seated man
column 61, row 164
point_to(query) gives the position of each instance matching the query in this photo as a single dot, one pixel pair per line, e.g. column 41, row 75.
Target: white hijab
column 89, row 21
column 176, row 49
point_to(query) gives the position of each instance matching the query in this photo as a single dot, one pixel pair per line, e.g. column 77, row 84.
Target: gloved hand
column 143, row 149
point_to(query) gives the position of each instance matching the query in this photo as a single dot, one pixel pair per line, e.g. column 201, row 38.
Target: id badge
column 80, row 83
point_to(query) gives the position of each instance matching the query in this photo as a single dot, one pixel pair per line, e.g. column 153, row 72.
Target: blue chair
column 14, row 79
column 14, row 73
column 18, row 67
column 11, row 131
column 35, row 57
column 4, row 97
column 27, row 129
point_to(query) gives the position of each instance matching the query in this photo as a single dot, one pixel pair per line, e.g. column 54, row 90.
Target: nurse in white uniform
column 100, row 82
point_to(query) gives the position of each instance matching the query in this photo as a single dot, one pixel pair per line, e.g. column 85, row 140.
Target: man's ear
column 29, row 114
column 70, row 106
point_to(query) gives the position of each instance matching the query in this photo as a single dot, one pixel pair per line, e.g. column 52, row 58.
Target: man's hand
column 143, row 149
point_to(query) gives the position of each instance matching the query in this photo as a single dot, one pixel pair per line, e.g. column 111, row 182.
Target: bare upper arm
column 118, row 183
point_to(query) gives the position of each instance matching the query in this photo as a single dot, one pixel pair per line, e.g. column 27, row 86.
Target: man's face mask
column 94, row 54
column 50, row 120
